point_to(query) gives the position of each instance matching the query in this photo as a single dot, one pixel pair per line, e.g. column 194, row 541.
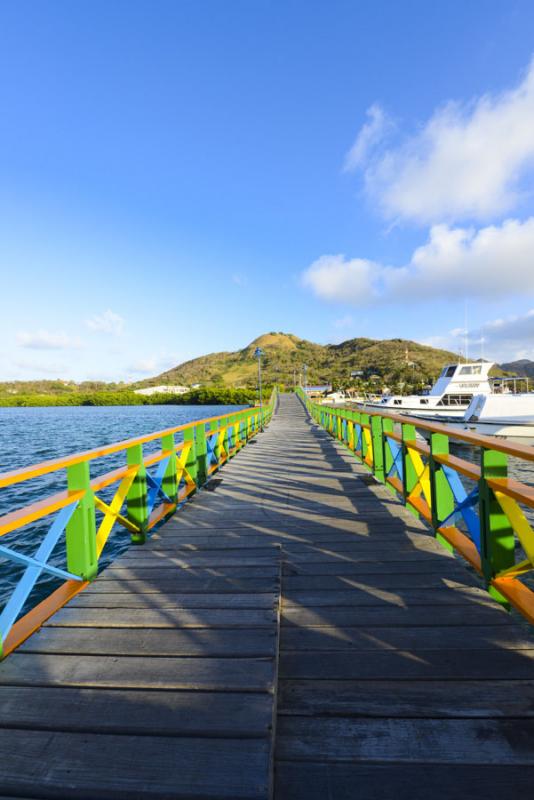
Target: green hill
column 392, row 360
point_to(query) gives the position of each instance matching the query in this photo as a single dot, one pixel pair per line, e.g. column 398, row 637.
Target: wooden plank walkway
column 394, row 674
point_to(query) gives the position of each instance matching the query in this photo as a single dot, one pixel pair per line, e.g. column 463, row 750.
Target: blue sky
column 178, row 177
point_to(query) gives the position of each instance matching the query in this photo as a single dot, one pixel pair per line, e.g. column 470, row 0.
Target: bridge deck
column 397, row 676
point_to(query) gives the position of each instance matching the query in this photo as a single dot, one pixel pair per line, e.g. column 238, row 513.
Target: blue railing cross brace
column 155, row 482
column 465, row 503
column 35, row 566
column 211, row 444
column 396, row 454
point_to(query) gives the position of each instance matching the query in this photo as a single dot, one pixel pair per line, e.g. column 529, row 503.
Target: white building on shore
column 162, row 390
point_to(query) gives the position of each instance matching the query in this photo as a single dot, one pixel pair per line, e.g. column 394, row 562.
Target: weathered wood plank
column 374, row 567
column 371, row 596
column 161, row 571
column 432, row 637
column 376, row 581
column 139, row 672
column 319, row 780
column 90, row 599
column 162, row 618
column 413, row 664
column 217, row 642
column 136, row 712
column 172, row 583
column 85, row 765
column 365, row 616
column 407, row 698
column 446, row 741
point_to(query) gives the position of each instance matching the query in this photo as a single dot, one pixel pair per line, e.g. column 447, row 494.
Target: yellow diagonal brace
column 220, row 444
column 351, row 434
column 519, row 522
column 181, row 471
column 516, row 570
column 368, row 446
column 423, row 476
column 112, row 512
column 119, row 517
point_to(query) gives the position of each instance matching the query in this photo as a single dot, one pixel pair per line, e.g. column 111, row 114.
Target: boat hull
column 434, row 415
column 517, row 432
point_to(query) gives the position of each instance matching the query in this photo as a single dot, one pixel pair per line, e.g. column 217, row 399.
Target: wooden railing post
column 81, row 528
column 496, row 532
column 136, row 499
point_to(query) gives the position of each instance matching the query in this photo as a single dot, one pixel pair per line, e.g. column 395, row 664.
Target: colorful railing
column 475, row 509
column 149, row 488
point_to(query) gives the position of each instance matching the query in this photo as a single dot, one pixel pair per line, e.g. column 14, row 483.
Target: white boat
column 507, row 415
column 449, row 398
column 336, row 399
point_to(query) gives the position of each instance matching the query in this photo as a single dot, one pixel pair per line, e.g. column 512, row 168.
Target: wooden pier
column 293, row 632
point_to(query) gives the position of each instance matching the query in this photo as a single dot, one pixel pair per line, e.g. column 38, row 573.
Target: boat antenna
column 466, row 347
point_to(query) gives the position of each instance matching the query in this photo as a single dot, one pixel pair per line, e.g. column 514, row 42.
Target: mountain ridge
column 286, row 353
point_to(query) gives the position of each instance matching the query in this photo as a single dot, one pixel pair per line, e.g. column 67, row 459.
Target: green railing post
column 409, row 474
column 229, row 436
column 136, row 499
column 364, row 421
column 214, row 426
column 357, row 427
column 350, row 430
column 441, row 494
column 378, row 447
column 387, row 427
column 496, row 532
column 169, row 483
column 191, row 464
column 201, row 453
column 81, row 529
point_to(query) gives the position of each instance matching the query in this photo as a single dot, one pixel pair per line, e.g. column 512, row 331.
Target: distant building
column 318, row 391
column 162, row 390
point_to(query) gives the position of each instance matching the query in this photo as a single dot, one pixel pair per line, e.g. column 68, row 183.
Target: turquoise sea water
column 31, row 435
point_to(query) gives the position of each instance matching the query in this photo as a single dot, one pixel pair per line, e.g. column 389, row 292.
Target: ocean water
column 31, row 435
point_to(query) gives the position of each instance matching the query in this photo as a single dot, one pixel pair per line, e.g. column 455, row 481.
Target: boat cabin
column 458, row 383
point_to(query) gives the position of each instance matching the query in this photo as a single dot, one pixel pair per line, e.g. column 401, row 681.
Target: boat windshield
column 455, row 400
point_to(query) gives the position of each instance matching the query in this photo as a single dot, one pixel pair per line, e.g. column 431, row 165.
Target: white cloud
column 369, row 136
column 502, row 339
column 335, row 278
column 344, row 322
column 107, row 322
column 455, row 262
column 55, row 369
column 466, row 161
column 47, row 340
column 154, row 364
column 145, row 366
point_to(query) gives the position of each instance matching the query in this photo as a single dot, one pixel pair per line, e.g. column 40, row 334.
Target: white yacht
column 336, row 399
column 449, row 398
column 503, row 414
